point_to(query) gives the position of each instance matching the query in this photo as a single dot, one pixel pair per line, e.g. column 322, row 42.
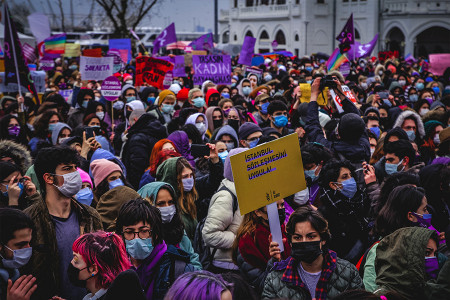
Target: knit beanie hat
column 430, row 126
column 248, row 128
column 183, row 94
column 372, row 109
column 227, row 172
column 351, row 127
column 163, row 95
column 85, row 177
column 102, row 168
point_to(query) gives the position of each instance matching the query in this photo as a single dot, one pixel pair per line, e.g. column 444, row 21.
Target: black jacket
column 125, row 286
column 142, row 136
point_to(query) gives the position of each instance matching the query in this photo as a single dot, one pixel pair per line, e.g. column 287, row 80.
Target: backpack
column 204, row 252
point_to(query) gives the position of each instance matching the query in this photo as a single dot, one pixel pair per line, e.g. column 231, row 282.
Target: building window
column 265, row 2
column 297, row 1
column 281, row 2
column 249, row 33
column 235, row 37
column 320, row 1
column 235, row 3
column 280, row 38
column 226, row 37
column 344, row 0
column 249, row 3
column 296, row 38
column 264, row 35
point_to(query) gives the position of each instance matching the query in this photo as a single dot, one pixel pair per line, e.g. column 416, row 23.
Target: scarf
column 148, row 271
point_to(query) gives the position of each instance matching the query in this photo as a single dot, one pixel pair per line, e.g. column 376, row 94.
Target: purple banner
column 66, row 94
column 179, row 68
column 216, row 68
column 357, row 50
column 121, row 44
column 248, row 49
column 47, row 63
column 205, row 42
column 167, row 36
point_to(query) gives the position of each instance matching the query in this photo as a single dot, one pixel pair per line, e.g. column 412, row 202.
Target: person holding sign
column 313, row 271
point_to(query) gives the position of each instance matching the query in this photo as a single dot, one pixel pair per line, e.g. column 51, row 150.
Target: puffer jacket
column 253, row 275
column 411, row 114
column 221, row 225
column 338, row 275
column 18, row 152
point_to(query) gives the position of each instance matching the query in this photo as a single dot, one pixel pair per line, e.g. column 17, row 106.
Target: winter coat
column 356, row 151
column 338, row 275
column 19, row 154
column 142, row 136
column 125, row 286
column 5, row 275
column 253, row 275
column 420, row 130
column 44, row 263
column 221, row 225
column 400, row 266
column 193, row 120
column 227, row 129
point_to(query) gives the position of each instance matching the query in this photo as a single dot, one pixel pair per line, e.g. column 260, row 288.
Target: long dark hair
column 4, row 134
column 41, row 127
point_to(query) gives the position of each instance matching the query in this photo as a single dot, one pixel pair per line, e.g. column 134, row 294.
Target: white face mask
column 201, row 127
column 72, row 184
column 423, row 111
column 100, row 114
column 302, row 197
column 436, row 139
column 167, row 213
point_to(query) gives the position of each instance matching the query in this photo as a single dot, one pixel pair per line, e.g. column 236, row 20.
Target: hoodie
column 209, row 116
column 239, row 87
column 227, row 129
column 55, row 133
column 193, row 119
column 181, row 141
column 19, row 154
column 409, row 113
column 129, row 86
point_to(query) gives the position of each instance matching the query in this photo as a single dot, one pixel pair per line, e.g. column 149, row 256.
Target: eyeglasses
column 131, row 235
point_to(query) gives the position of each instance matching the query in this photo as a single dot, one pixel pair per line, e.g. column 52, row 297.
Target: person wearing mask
column 431, row 140
column 140, row 225
column 86, row 194
column 107, row 176
column 16, row 229
column 196, row 100
column 142, row 137
column 313, row 271
column 43, row 129
column 11, row 129
column 222, row 221
column 399, row 157
column 182, row 143
column 235, row 119
column 228, row 135
column 411, row 122
column 244, row 88
column 162, row 196
column 84, row 98
column 249, row 135
column 17, row 191
column 407, row 262
column 422, row 107
column 212, row 97
column 215, row 118
column 251, row 246
column 60, row 133
column 164, row 108
column 59, row 219
column 200, row 121
column 100, row 264
column 262, row 101
column 277, row 112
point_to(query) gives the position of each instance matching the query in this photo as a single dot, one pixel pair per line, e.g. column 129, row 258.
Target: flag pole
column 14, row 51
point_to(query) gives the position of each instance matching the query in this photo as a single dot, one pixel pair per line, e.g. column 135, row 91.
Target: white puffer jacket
column 221, row 225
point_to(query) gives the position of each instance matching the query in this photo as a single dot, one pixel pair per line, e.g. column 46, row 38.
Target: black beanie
column 351, row 127
column 6, row 169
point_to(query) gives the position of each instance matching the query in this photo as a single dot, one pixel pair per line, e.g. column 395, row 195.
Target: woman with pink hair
column 100, row 264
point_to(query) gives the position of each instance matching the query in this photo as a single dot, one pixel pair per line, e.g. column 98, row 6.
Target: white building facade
column 310, row 26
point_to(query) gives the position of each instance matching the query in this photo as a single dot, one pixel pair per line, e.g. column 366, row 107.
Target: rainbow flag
column 336, row 59
column 55, row 44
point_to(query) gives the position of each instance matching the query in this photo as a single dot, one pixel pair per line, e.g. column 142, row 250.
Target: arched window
column 357, row 35
column 280, row 38
column 296, row 38
column 226, row 37
column 249, row 33
column 235, row 37
column 249, row 3
column 264, row 35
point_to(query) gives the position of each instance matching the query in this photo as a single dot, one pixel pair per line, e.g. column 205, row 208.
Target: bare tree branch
column 143, row 12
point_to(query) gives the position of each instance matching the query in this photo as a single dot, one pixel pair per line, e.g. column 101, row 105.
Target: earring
column 92, row 275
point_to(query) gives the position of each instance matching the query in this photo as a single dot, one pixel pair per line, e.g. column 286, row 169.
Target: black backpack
column 204, row 252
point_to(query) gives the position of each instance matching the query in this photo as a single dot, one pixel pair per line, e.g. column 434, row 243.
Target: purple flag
column 248, row 49
column 205, row 42
column 357, row 50
column 167, row 36
column 14, row 60
column 347, row 34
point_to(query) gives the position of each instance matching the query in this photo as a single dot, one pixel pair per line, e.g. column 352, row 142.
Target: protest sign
column 167, row 82
column 152, row 71
column 274, row 224
column 66, row 94
column 115, row 54
column 37, row 77
column 348, row 93
column 216, row 68
column 72, row 50
column 122, row 44
column 247, row 51
column 268, row 173
column 178, row 69
column 305, row 88
column 438, row 63
column 96, row 68
column 383, row 55
column 257, row 60
column 47, row 63
column 345, row 69
column 96, row 52
column 250, row 70
column 111, row 88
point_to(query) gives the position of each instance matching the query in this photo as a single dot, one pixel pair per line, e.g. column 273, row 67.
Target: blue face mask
column 411, row 135
column 226, row 95
column 387, row 102
column 420, row 86
column 51, row 127
column 223, row 155
column 85, row 196
column 309, row 69
column 392, row 168
column 130, row 98
column 246, row 90
column 85, row 103
column 349, row 187
column 138, row 248
column 198, row 102
column 376, row 131
column 311, row 173
column 253, row 143
column 436, row 90
column 280, row 121
column 115, row 183
column 413, row 98
column 264, row 108
column 151, row 100
column 167, row 108
column 20, row 185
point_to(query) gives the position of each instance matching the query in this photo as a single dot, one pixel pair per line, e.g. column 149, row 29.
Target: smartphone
column 90, row 132
column 383, row 95
column 199, row 150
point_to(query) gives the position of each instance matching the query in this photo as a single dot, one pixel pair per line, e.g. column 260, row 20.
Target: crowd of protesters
column 114, row 200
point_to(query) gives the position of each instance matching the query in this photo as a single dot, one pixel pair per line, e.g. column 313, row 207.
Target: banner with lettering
column 152, row 71
column 216, row 68
column 96, row 68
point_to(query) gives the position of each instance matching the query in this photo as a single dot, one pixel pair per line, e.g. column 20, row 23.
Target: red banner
column 96, row 52
column 383, row 55
column 152, row 71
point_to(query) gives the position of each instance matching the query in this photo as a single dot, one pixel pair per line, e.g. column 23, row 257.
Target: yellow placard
column 72, row 50
column 306, row 94
column 2, row 65
column 268, row 173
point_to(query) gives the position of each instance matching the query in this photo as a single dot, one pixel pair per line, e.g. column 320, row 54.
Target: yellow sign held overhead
column 305, row 88
column 268, row 173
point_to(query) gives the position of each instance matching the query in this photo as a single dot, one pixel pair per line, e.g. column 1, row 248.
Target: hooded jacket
column 227, row 129
column 142, row 137
column 409, row 113
column 181, row 141
column 101, row 153
column 239, row 87
column 193, row 119
column 58, row 128
column 209, row 116
column 19, row 154
column 400, row 265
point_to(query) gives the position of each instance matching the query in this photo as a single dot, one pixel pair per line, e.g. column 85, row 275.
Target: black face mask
column 217, row 123
column 128, row 113
column 234, row 124
column 73, row 274
column 282, row 215
column 306, row 251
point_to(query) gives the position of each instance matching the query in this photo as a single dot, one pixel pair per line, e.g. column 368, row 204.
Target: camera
column 327, row 81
